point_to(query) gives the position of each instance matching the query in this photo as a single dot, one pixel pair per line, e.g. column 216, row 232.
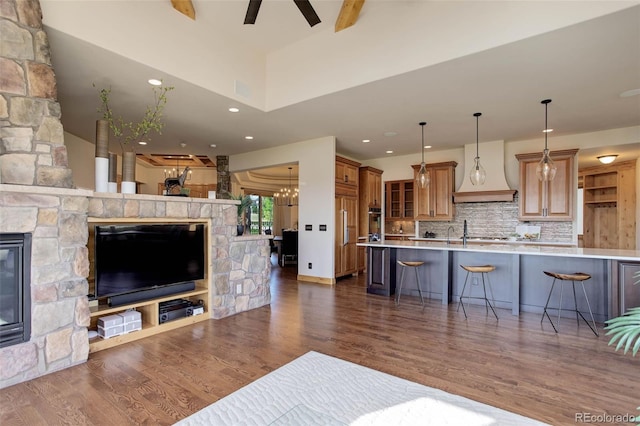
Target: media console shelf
column 150, row 311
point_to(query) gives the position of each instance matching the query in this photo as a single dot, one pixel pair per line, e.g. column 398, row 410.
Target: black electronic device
column 177, row 308
column 143, row 261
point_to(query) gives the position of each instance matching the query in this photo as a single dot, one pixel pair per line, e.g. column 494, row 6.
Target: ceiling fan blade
column 307, row 11
column 348, row 14
column 185, row 7
column 252, row 11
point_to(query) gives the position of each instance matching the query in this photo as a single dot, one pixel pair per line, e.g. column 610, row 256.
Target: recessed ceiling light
column 213, row 145
column 389, row 152
column 155, row 82
column 547, row 131
column 390, row 133
column 427, row 146
column 628, row 93
column 234, row 109
column 248, row 137
column 142, row 143
column 366, row 140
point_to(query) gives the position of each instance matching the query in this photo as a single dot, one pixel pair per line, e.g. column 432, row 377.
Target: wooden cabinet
column 347, row 172
column 609, row 206
column 346, row 217
column 435, row 202
column 369, row 207
column 398, row 196
column 150, row 313
column 547, row 201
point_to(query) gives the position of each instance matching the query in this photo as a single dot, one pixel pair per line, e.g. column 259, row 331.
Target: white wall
column 316, row 181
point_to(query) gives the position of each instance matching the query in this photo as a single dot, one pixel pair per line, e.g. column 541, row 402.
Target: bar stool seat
column 483, row 270
column 580, row 277
column 409, row 264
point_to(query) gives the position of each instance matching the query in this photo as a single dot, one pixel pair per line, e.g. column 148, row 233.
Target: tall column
column 223, row 188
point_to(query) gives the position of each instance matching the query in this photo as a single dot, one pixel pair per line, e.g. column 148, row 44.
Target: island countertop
column 501, row 247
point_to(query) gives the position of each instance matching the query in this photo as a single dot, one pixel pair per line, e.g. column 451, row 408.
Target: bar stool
column 483, row 271
column 580, row 277
column 409, row 264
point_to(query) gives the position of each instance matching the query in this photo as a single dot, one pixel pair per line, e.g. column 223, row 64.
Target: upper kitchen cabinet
column 398, row 196
column 609, row 212
column 370, row 182
column 547, row 201
column 435, row 202
column 346, row 172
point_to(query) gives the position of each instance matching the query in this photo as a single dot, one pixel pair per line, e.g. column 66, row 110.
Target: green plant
column 127, row 132
column 625, row 330
column 245, row 202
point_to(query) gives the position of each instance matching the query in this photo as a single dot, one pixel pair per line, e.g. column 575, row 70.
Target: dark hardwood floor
column 515, row 363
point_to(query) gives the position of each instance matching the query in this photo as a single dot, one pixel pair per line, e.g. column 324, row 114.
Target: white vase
column 102, row 156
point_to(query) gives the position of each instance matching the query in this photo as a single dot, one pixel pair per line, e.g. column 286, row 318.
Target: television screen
column 129, row 258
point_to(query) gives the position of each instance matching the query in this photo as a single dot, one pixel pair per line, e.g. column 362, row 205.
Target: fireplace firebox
column 15, row 283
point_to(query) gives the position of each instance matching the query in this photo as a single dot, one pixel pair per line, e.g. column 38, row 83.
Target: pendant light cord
column 546, row 103
column 422, row 124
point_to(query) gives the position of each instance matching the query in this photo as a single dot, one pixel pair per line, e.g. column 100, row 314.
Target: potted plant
column 245, row 202
column 130, row 132
column 625, row 330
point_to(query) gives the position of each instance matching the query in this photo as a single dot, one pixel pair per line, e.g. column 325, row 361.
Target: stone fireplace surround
column 37, row 196
column 58, row 220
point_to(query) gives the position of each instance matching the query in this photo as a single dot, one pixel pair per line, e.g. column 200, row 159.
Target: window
column 261, row 214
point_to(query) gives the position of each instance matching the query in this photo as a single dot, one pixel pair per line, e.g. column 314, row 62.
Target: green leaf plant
column 625, row 330
column 245, row 202
column 129, row 132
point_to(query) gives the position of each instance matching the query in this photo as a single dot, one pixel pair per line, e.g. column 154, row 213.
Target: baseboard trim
column 319, row 280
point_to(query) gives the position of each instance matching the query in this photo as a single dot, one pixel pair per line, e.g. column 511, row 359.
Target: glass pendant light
column 546, row 169
column 423, row 178
column 478, row 174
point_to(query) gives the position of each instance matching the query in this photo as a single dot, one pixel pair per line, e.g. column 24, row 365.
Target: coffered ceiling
column 401, row 63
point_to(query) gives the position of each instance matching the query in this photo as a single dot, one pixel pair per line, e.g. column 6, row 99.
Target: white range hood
column 495, row 187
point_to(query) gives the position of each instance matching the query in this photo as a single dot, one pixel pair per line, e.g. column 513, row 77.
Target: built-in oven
column 375, row 215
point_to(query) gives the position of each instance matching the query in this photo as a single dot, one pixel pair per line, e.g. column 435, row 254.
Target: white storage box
column 110, row 321
column 131, row 320
column 105, row 333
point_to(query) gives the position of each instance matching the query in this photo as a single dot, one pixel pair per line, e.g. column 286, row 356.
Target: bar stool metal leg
column 419, row 286
column 578, row 276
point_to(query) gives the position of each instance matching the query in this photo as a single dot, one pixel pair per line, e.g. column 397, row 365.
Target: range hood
column 495, row 187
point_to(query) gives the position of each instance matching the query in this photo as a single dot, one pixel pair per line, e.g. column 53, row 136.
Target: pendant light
column 546, row 169
column 287, row 196
column 478, row 174
column 423, row 178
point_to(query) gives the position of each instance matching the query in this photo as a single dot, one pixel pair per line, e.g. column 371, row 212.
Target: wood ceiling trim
column 349, row 13
column 185, row 7
column 167, row 160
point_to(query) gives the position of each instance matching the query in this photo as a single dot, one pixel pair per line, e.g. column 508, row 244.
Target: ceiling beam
column 349, row 13
column 185, row 7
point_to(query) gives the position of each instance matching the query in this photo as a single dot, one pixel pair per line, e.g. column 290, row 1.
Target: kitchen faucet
column 448, row 237
column 465, row 234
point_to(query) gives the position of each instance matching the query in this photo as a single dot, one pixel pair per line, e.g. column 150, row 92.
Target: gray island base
column 518, row 282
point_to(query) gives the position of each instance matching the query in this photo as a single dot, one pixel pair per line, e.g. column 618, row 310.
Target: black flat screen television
column 133, row 258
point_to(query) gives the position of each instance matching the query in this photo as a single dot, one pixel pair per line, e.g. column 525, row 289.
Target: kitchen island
column 518, row 281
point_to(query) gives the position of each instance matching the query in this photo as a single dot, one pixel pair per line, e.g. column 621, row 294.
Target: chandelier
column 286, row 196
column 176, row 172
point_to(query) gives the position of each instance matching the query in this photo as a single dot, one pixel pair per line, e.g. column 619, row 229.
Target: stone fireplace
column 38, row 198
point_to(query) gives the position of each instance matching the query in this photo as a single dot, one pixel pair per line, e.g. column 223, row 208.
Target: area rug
column 317, row 389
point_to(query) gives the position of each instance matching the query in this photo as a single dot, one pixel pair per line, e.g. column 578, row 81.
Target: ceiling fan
column 348, row 12
column 304, row 5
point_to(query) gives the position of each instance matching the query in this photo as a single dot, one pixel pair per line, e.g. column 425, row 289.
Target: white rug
column 317, row 389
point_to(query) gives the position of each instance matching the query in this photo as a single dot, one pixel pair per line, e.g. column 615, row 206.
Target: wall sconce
column 607, row 159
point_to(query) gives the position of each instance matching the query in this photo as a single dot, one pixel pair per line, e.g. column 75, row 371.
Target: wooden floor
column 515, row 363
